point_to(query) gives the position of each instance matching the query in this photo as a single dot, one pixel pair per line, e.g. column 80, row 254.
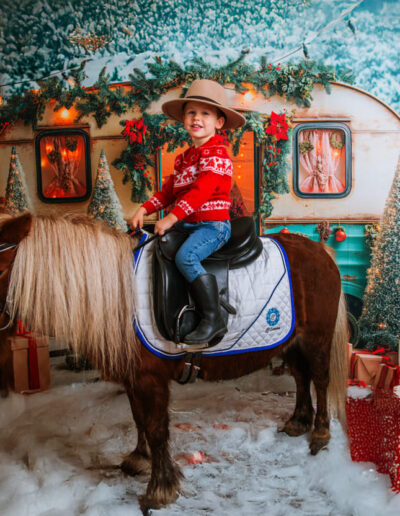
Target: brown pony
column 72, row 278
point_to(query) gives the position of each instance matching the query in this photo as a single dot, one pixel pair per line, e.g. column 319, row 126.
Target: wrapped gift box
column 30, row 363
column 387, row 376
column 364, row 366
column 373, row 425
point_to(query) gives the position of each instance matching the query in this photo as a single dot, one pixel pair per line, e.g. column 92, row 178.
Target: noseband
column 3, row 310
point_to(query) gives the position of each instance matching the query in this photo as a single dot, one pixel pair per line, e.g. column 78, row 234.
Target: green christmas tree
column 380, row 319
column 105, row 204
column 17, row 199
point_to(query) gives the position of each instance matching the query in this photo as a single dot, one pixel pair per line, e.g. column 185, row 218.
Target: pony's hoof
column 148, row 502
column 295, row 428
column 136, row 464
column 316, row 445
column 319, row 441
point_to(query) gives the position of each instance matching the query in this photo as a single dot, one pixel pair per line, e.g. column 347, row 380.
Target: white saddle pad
column 261, row 294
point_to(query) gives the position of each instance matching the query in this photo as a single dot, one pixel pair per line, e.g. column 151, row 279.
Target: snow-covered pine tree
column 380, row 320
column 17, row 199
column 105, row 204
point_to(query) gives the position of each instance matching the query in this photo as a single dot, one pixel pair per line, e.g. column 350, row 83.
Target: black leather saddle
column 174, row 315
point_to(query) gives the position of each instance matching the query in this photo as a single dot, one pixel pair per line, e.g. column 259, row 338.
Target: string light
column 65, row 113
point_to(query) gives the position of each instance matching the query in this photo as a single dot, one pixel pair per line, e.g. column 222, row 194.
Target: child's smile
column 201, row 121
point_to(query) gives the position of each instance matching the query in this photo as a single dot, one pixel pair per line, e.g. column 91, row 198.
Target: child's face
column 201, row 121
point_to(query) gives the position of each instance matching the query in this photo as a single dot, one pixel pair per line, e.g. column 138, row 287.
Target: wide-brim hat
column 208, row 92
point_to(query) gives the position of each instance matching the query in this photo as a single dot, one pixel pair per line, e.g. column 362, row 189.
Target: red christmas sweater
column 199, row 185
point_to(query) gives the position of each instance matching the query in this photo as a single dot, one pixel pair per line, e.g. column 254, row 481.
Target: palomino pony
column 72, row 278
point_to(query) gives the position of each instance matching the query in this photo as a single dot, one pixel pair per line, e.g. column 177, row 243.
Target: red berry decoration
column 284, row 230
column 340, row 234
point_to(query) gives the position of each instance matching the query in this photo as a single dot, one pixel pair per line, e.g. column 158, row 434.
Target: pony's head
column 12, row 231
column 71, row 277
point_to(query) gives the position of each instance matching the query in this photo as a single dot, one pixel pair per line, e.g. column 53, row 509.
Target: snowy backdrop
column 35, row 35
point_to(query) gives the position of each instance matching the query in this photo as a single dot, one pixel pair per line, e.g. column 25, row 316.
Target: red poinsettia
column 278, row 126
column 222, row 137
column 135, row 130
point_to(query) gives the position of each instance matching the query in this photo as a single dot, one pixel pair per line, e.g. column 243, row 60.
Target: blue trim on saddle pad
column 272, row 317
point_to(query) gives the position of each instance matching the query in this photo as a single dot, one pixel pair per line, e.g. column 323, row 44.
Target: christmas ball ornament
column 284, row 230
column 340, row 234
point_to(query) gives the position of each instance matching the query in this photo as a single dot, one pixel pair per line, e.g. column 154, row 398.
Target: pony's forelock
column 73, row 279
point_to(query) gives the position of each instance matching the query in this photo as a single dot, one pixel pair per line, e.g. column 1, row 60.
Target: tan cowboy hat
column 207, row 92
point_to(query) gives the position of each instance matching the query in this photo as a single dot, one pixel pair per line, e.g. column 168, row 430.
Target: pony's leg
column 320, row 435
column 302, row 418
column 139, row 461
column 149, row 398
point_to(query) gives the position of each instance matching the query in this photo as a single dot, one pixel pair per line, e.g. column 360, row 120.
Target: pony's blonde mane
column 73, row 279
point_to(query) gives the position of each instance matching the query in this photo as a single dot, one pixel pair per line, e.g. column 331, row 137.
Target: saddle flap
column 243, row 238
column 170, row 243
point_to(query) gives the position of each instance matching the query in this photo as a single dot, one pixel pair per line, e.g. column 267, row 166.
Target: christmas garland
column 291, row 81
column 147, row 134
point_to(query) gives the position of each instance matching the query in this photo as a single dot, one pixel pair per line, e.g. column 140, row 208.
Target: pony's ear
column 15, row 229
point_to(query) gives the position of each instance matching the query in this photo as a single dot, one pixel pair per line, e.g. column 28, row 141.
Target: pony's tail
column 338, row 371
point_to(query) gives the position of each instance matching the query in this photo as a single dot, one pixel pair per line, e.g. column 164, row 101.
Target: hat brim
column 174, row 109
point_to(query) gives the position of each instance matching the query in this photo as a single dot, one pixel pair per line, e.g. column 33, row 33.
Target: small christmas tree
column 17, row 199
column 380, row 319
column 105, row 204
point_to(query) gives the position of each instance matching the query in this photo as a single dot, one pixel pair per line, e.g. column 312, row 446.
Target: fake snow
column 60, row 452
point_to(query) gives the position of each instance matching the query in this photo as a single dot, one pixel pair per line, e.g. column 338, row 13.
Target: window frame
column 348, row 159
column 88, row 170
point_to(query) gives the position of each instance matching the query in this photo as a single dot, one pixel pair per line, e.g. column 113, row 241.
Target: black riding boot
column 204, row 290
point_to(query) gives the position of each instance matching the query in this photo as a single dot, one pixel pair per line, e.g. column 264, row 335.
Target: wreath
column 305, row 146
column 336, row 140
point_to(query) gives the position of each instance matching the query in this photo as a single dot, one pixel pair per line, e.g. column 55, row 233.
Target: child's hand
column 164, row 224
column 137, row 219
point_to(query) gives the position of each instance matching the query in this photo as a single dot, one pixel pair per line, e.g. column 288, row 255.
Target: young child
column 199, row 187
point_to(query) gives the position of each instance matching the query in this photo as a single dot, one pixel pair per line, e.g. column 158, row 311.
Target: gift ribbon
column 33, row 362
column 356, row 383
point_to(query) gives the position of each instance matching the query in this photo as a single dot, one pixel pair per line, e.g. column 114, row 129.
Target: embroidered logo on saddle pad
column 260, row 292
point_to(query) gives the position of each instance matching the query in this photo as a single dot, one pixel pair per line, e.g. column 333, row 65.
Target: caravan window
column 322, row 160
column 63, row 165
column 244, row 174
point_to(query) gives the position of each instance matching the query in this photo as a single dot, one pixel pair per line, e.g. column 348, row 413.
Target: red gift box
column 373, row 425
column 29, row 362
column 387, row 376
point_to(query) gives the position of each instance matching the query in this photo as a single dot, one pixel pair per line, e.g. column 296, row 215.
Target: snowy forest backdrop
column 35, row 36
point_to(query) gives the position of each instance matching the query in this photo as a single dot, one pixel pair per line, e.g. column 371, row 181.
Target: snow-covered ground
column 59, row 450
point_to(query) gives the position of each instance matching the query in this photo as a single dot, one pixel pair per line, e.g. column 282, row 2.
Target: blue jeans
column 204, row 238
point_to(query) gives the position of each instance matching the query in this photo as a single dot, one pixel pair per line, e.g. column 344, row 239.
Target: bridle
column 3, row 309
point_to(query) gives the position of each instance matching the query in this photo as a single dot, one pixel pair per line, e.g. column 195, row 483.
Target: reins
column 149, row 240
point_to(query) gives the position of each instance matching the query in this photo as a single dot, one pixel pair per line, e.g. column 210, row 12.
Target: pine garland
column 291, row 81
column 160, row 130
